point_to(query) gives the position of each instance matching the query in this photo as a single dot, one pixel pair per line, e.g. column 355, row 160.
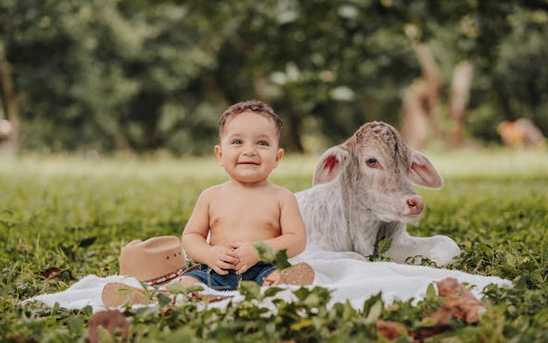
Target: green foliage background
column 76, row 215
column 145, row 75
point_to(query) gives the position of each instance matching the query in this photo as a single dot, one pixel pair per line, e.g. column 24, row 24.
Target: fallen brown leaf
column 461, row 302
column 24, row 247
column 458, row 302
column 111, row 321
column 391, row 330
column 442, row 322
column 52, row 273
column 56, row 273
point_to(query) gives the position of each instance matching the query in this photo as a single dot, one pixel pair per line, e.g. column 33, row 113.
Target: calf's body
column 363, row 192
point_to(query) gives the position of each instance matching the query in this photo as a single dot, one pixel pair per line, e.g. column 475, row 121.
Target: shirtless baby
column 246, row 209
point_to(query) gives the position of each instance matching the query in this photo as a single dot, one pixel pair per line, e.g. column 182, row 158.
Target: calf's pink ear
column 331, row 164
column 423, row 173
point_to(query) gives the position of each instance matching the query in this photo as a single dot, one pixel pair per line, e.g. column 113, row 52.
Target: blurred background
column 102, row 77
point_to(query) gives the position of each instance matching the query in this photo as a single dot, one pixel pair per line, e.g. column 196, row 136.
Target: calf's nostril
column 412, row 202
column 415, row 205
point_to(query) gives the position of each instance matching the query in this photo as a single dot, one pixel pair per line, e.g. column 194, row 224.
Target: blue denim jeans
column 230, row 281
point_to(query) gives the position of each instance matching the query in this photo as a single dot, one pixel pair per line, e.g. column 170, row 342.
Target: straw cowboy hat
column 154, row 261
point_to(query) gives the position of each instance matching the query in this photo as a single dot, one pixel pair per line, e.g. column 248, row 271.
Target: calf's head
column 376, row 170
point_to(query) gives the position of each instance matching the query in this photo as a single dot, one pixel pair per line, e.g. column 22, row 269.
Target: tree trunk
column 460, row 96
column 11, row 107
column 433, row 83
column 420, row 105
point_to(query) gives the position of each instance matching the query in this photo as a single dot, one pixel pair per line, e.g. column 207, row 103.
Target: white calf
column 363, row 192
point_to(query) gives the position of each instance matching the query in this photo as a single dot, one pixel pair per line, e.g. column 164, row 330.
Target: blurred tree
column 115, row 73
column 143, row 75
column 520, row 75
column 341, row 62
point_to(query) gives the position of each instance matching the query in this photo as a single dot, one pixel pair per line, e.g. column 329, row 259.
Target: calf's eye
column 372, row 163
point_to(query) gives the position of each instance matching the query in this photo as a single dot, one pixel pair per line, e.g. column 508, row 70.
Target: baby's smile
column 248, row 163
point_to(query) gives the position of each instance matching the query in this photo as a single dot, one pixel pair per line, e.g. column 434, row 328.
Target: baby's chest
column 245, row 214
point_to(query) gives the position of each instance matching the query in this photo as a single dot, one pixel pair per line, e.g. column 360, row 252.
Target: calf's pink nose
column 415, row 204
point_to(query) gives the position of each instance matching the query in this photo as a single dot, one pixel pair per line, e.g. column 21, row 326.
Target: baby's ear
column 280, row 154
column 218, row 151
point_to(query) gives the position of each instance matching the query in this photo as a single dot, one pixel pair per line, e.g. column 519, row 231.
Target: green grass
column 76, row 214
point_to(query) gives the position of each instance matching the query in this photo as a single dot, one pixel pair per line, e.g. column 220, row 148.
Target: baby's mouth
column 251, row 163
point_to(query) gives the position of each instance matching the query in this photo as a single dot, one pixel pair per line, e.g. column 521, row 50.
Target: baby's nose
column 249, row 150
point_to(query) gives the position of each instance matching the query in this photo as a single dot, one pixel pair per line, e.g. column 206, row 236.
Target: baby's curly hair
column 254, row 106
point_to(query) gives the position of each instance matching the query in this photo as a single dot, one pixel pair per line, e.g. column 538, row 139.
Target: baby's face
column 248, row 148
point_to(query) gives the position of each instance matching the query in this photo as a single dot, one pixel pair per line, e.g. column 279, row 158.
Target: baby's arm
column 292, row 237
column 194, row 239
column 293, row 231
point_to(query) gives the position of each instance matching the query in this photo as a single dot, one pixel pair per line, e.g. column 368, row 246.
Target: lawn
column 75, row 215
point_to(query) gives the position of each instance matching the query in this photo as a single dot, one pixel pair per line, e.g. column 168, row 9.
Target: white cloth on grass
column 348, row 275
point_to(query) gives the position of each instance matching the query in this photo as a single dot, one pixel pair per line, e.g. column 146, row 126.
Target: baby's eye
column 236, row 142
column 262, row 143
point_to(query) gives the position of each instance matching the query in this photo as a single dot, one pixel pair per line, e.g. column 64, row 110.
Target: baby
column 246, row 209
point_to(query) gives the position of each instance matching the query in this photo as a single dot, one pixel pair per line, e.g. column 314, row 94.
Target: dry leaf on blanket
column 110, row 320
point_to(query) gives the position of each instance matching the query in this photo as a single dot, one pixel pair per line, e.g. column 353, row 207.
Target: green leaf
column 179, row 288
column 428, row 322
column 250, row 290
column 431, row 292
column 372, row 308
column 76, row 325
column 266, row 252
column 313, row 300
column 145, row 288
column 87, row 310
column 383, row 245
column 103, row 335
column 375, row 312
column 272, row 291
column 282, row 260
column 302, row 324
column 511, row 260
column 301, row 293
column 163, row 300
column 370, row 302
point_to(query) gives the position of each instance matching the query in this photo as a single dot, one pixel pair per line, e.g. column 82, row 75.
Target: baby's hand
column 247, row 256
column 222, row 258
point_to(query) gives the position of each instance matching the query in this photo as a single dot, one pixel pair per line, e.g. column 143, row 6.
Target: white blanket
column 349, row 276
